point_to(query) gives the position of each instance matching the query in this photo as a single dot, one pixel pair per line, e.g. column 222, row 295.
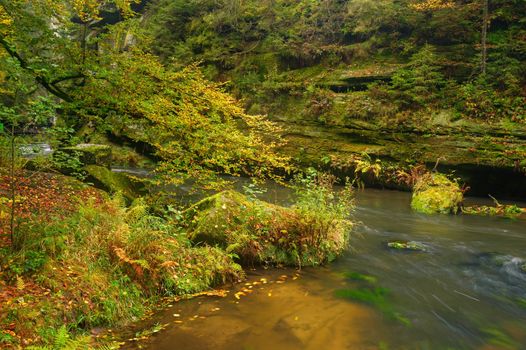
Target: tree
column 421, row 81
column 194, row 127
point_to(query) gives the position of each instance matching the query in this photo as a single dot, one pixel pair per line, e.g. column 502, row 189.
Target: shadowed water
column 466, row 291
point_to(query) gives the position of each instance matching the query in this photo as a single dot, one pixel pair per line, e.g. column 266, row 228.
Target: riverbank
column 465, row 291
column 81, row 260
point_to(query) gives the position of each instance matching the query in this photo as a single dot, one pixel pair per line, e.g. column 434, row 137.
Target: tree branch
column 38, row 77
column 68, row 77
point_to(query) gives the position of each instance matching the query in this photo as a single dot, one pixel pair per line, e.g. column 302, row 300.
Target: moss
column 376, row 297
column 435, row 193
column 260, row 232
column 406, row 246
column 356, row 276
column 506, row 211
column 91, row 154
column 112, row 182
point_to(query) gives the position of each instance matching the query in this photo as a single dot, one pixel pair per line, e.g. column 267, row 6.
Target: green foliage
column 260, row 46
column 314, row 231
column 479, row 100
column 194, row 128
column 69, row 163
column 109, row 263
column 62, row 340
column 419, row 84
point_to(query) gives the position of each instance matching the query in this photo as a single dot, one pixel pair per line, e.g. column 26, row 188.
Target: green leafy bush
column 479, row 100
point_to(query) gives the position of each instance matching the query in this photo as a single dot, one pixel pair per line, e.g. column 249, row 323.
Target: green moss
column 112, row 182
column 376, row 297
column 406, row 245
column 500, row 339
column 435, row 193
column 506, row 211
column 356, row 276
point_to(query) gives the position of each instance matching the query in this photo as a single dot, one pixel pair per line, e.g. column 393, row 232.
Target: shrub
column 313, row 231
column 478, row 100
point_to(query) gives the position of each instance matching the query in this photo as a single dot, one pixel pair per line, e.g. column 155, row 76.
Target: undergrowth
column 103, row 265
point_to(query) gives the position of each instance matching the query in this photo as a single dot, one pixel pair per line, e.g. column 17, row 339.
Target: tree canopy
column 89, row 61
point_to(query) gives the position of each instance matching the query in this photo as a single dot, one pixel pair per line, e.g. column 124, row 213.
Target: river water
column 465, row 291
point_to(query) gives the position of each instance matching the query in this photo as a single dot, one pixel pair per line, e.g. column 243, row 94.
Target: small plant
column 69, row 163
column 62, row 340
column 252, row 190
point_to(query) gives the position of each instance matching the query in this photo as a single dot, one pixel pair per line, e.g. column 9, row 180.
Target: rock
column 407, row 245
column 261, row 232
column 130, row 187
column 523, row 267
column 435, row 193
column 91, row 154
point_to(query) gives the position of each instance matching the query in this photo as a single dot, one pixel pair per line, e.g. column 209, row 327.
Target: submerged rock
column 261, row 232
column 407, row 245
column 435, row 193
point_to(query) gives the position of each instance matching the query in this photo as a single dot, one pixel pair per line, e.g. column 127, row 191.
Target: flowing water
column 467, row 290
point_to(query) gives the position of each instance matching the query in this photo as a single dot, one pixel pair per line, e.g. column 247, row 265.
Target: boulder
column 261, row 232
column 91, row 154
column 102, row 177
column 435, row 193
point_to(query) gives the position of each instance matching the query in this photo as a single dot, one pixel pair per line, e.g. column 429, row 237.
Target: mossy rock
column 264, row 233
column 406, row 246
column 130, row 187
column 435, row 193
column 91, row 154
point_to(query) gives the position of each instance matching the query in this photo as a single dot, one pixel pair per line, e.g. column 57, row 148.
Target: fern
column 62, row 341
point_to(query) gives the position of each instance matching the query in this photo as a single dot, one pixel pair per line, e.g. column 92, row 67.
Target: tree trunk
column 12, row 187
column 485, row 24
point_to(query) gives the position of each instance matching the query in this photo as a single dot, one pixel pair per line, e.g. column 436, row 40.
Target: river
column 465, row 291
